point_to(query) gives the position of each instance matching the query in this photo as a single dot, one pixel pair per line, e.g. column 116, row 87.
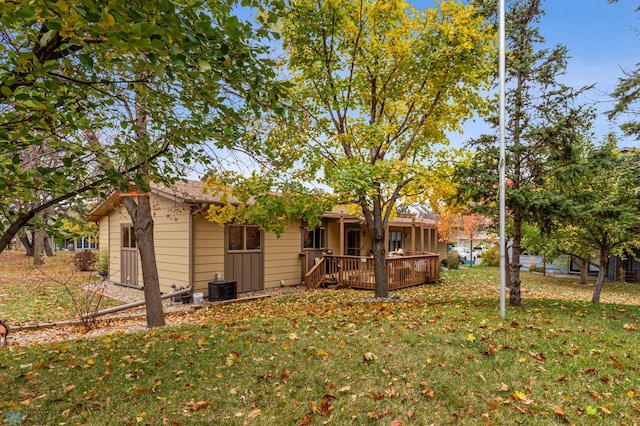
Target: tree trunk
column 38, row 240
column 47, row 246
column 377, row 228
column 142, row 219
column 584, row 271
column 471, row 253
column 28, row 245
column 514, row 293
column 604, row 264
column 507, row 265
column 380, row 268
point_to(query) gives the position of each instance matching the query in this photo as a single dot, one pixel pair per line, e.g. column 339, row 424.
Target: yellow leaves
column 471, row 337
column 232, row 358
column 518, row 396
column 369, row 356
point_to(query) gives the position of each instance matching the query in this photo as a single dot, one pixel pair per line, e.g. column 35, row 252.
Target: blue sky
column 603, row 39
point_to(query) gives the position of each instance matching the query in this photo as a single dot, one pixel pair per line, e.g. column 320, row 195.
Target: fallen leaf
column 397, row 422
column 68, row 389
column 518, row 396
column 196, row 406
column 503, row 386
column 559, row 410
column 538, row 356
column 254, row 413
column 306, row 420
column 428, row 393
column 325, row 408
column 370, row 356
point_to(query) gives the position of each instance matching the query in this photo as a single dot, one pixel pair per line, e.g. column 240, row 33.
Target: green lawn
column 442, row 355
column 36, row 295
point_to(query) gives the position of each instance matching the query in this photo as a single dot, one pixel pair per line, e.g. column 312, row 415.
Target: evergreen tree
column 543, row 124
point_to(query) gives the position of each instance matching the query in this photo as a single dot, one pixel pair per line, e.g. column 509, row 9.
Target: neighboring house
column 82, row 243
column 192, row 251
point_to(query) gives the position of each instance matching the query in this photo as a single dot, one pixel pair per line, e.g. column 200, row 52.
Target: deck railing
column 357, row 272
column 316, row 275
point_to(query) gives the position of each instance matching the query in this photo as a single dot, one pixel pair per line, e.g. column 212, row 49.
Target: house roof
column 190, row 192
column 183, row 192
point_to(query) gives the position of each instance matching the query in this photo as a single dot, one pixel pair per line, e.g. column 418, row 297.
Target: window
column 316, row 239
column 128, row 237
column 86, row 243
column 395, row 240
column 244, row 238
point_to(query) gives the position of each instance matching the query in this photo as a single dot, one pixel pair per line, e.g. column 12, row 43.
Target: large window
column 395, row 240
column 316, row 239
column 244, row 238
column 128, row 237
column 86, row 243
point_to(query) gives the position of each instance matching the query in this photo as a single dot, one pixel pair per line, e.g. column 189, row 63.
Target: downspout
column 109, row 247
column 191, row 244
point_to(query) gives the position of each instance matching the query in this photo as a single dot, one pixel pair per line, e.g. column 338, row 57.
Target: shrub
column 452, row 261
column 85, row 260
column 103, row 262
column 491, row 257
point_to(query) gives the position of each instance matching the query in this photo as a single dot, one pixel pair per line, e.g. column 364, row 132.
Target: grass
column 35, row 295
column 442, row 355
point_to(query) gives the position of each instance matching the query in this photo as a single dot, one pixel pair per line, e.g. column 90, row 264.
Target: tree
column 379, row 85
column 472, row 225
column 544, row 122
column 447, row 227
column 160, row 79
column 605, row 199
column 64, row 67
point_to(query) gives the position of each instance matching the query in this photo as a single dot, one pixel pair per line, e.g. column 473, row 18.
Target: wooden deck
column 357, row 271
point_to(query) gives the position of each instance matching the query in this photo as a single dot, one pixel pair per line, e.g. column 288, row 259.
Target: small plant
column 103, row 262
column 85, row 260
column 87, row 304
column 452, row 261
column 491, row 257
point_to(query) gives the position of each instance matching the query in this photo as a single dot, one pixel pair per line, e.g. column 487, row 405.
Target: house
column 192, row 251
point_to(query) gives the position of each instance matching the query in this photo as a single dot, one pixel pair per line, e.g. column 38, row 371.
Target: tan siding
column 171, row 237
column 333, row 236
column 116, row 219
column 208, row 252
column 282, row 260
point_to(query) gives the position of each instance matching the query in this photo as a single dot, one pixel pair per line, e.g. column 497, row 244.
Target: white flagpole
column 503, row 248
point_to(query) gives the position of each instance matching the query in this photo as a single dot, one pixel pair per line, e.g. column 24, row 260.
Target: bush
column 491, row 257
column 85, row 260
column 103, row 262
column 452, row 261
